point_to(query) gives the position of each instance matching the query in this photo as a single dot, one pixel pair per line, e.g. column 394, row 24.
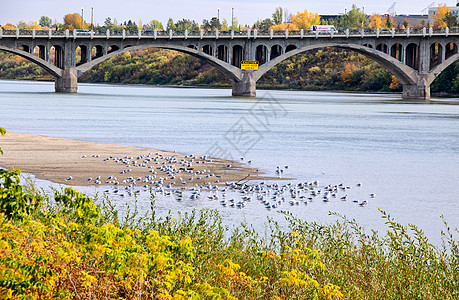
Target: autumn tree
column 23, row 25
column 73, row 21
column 225, row 25
column 304, row 20
column 9, row 26
column 45, row 21
column 278, row 15
column 153, row 25
column 234, row 24
column 284, row 26
column 439, row 16
column 375, row 21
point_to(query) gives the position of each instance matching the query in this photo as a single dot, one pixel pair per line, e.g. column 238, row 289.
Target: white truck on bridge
column 323, row 28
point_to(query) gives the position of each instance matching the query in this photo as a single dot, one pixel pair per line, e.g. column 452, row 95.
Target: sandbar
column 59, row 159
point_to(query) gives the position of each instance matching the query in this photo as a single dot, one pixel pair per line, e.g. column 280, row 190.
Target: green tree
column 225, row 25
column 130, row 26
column 405, row 23
column 278, row 15
column 45, row 21
column 235, row 23
column 170, row 25
column 450, row 20
column 263, row 24
column 22, row 25
column 153, row 25
column 108, row 24
column 354, row 18
column 186, row 24
column 213, row 24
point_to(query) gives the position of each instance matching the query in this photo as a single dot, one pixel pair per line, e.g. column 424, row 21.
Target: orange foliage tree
column 304, row 20
column 439, row 16
column 283, row 27
column 73, row 21
column 346, row 75
column 376, row 21
column 35, row 25
column 9, row 26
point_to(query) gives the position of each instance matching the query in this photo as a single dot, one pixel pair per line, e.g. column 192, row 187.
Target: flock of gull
column 189, row 178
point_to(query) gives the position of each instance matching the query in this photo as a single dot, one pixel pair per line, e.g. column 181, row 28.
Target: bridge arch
column 406, row 75
column 97, row 51
column 232, row 72
column 222, row 53
column 436, row 54
column 396, row 51
column 261, row 54
column 237, row 55
column 383, row 48
column 276, row 50
column 40, row 51
column 53, row 70
column 450, row 50
column 441, row 67
column 290, row 48
column 207, row 49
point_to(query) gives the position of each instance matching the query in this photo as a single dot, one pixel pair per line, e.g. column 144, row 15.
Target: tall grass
column 66, row 246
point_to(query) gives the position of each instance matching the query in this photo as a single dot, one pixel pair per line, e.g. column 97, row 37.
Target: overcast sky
column 247, row 11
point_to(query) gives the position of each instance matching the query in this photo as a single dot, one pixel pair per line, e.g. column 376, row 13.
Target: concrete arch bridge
column 415, row 57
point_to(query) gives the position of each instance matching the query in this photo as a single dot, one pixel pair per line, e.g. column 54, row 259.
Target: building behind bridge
column 433, row 10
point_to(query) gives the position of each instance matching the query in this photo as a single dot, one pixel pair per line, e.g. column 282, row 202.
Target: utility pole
column 232, row 18
column 345, row 18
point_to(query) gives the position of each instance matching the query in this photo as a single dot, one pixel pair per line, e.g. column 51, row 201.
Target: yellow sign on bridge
column 251, row 65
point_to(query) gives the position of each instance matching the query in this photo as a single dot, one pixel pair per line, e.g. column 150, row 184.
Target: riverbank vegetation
column 325, row 69
column 69, row 246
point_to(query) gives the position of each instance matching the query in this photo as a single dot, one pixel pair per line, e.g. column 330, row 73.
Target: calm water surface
column 407, row 152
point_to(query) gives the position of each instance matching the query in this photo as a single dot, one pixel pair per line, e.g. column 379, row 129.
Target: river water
column 406, row 152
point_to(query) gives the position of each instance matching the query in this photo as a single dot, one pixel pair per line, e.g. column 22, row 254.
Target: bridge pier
column 247, row 87
column 68, row 83
column 421, row 90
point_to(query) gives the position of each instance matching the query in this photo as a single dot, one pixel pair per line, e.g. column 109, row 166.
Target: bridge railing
column 229, row 33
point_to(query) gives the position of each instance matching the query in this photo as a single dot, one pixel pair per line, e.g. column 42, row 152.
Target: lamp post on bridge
column 82, row 22
column 232, row 18
column 364, row 17
column 218, row 15
column 92, row 18
column 345, row 17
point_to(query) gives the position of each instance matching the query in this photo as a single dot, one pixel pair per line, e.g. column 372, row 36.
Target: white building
column 433, row 11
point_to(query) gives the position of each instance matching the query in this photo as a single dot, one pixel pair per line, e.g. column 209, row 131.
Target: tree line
column 280, row 19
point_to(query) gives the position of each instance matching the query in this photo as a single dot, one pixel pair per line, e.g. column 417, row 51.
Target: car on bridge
column 83, row 31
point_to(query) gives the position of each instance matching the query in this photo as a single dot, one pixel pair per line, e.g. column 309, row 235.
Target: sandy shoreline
column 56, row 159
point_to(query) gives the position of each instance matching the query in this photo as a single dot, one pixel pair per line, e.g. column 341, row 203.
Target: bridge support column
column 247, row 87
column 68, row 83
column 421, row 90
